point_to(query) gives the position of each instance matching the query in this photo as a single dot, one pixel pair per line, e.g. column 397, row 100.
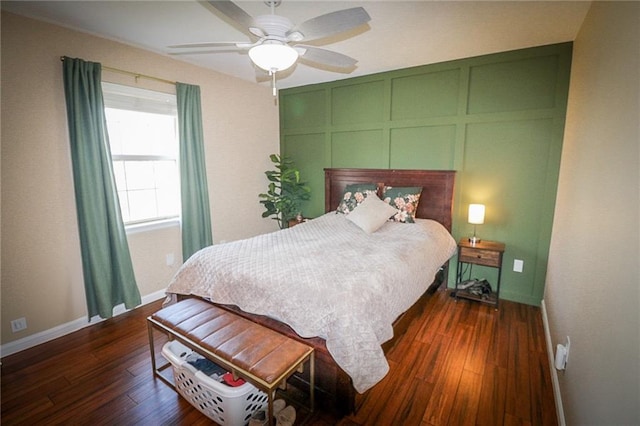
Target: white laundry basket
column 226, row 405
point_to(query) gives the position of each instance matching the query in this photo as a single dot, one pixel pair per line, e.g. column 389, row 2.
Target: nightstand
column 484, row 253
column 293, row 222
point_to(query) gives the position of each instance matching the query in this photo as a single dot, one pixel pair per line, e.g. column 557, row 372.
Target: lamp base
column 474, row 240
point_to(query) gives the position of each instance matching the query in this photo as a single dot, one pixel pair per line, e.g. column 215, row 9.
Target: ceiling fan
column 275, row 41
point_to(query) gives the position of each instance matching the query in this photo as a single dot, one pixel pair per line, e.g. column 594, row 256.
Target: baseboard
column 554, row 373
column 70, row 327
column 519, row 298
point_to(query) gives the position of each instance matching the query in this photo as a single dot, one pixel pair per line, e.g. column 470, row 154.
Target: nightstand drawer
column 480, row 257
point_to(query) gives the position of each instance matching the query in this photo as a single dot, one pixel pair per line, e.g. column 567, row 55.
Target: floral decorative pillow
column 405, row 199
column 355, row 194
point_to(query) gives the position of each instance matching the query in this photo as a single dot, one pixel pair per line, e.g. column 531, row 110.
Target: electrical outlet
column 518, row 265
column 18, row 324
column 562, row 355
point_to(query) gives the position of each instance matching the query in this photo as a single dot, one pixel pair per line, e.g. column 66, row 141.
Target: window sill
column 152, row 226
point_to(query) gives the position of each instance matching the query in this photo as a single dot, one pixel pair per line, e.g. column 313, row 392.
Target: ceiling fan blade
column 330, row 24
column 205, row 52
column 326, row 57
column 210, row 44
column 234, row 13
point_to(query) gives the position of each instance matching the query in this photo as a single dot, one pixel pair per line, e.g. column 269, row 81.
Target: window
column 143, row 133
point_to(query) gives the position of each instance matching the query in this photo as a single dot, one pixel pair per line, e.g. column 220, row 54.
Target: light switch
column 518, row 265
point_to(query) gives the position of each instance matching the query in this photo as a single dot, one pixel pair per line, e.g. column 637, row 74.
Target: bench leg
column 152, row 349
column 312, row 381
column 270, row 396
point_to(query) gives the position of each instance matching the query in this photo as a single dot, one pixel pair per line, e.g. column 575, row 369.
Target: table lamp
column 476, row 217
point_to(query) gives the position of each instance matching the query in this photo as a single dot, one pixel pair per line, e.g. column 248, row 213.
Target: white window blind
column 143, row 134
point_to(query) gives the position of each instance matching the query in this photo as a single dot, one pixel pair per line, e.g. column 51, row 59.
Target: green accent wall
column 498, row 120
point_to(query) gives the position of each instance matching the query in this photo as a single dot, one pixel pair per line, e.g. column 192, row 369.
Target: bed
column 347, row 292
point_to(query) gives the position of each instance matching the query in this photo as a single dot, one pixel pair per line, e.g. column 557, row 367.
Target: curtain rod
column 137, row 75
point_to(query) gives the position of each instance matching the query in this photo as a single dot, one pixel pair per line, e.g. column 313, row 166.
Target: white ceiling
column 400, row 34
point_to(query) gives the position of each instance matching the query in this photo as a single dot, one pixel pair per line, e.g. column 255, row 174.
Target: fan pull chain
column 274, row 89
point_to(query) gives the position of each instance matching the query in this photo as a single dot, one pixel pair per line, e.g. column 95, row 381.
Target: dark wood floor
column 460, row 363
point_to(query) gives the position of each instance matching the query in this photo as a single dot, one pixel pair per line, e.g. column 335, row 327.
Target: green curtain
column 196, row 217
column 106, row 262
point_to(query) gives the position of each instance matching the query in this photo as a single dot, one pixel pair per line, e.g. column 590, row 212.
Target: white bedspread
column 326, row 278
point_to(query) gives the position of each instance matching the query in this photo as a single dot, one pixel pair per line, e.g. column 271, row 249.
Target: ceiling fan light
column 273, row 57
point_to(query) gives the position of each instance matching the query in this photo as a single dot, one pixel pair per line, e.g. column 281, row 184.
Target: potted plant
column 286, row 191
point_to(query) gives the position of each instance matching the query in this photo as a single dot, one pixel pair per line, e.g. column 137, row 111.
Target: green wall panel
column 506, row 168
column 432, row 94
column 430, row 147
column 498, row 120
column 307, row 150
column 303, row 110
column 361, row 149
column 514, row 85
column 358, row 103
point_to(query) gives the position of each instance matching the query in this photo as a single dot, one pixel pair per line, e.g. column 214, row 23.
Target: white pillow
column 371, row 214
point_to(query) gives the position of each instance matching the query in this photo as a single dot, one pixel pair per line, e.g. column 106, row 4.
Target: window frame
column 122, row 97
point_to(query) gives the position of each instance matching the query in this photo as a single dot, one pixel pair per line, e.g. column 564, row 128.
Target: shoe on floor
column 259, row 418
column 278, row 405
column 286, row 417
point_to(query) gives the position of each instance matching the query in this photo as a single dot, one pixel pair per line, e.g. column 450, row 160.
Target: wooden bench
column 260, row 356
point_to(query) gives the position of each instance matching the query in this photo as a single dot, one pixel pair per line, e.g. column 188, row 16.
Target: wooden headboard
column 436, row 201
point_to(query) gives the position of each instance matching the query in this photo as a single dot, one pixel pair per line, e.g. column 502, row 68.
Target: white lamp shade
column 273, row 57
column 476, row 214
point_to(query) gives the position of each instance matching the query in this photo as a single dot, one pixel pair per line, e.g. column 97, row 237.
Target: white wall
column 593, row 282
column 41, row 265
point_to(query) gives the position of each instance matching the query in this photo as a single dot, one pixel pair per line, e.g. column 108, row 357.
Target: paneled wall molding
column 496, row 119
